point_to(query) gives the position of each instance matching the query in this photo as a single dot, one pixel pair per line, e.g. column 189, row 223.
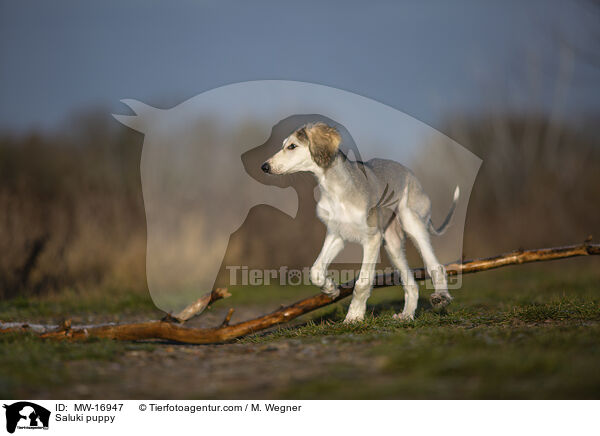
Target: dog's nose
column 266, row 167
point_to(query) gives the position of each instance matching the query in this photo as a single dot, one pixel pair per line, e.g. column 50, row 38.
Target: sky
column 429, row 59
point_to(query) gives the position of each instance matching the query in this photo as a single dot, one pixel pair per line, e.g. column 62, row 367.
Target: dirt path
column 212, row 371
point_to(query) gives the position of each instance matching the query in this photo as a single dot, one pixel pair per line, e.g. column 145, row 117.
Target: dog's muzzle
column 266, row 167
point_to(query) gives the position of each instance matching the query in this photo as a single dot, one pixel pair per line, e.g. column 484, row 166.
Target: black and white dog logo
column 26, row 415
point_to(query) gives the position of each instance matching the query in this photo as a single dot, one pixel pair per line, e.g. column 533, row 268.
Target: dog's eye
column 291, row 146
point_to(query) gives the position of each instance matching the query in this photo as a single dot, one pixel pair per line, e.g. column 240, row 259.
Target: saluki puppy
column 368, row 203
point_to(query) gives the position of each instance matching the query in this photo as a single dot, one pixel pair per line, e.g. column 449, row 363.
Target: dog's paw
column 352, row 318
column 404, row 317
column 439, row 301
column 330, row 289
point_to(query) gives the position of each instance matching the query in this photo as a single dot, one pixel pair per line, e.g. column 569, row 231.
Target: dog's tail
column 440, row 231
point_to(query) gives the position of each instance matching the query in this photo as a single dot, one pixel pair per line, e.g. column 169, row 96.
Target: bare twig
column 174, row 332
column 227, row 318
column 198, row 306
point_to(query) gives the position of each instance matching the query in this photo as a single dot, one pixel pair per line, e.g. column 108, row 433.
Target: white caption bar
column 160, row 417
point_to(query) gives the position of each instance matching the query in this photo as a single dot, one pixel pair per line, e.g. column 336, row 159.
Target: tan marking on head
column 324, row 142
column 301, row 134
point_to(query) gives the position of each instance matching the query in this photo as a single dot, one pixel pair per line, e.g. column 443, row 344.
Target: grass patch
column 27, row 360
column 484, row 362
column 525, row 333
column 531, row 331
column 382, row 324
column 107, row 302
column 560, row 310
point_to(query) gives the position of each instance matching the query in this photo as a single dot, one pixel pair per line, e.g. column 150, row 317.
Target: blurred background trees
column 72, row 215
column 71, row 207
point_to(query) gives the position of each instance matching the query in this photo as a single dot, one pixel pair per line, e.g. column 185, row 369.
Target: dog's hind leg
column 417, row 230
column 364, row 282
column 394, row 246
column 332, row 246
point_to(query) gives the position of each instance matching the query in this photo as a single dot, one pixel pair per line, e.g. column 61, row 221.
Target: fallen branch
column 198, row 306
column 166, row 330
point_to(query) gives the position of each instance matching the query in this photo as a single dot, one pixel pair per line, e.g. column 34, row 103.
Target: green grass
column 382, row 324
column 509, row 296
column 504, row 288
column 549, row 350
column 27, row 360
column 107, row 302
column 523, row 332
column 529, row 331
column 484, row 362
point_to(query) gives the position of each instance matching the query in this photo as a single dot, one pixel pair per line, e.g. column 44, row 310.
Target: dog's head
column 310, row 148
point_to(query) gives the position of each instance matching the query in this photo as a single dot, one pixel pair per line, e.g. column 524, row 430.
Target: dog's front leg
column 364, row 282
column 318, row 273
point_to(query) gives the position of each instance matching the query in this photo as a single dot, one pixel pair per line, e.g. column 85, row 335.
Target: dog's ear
column 324, row 142
column 301, row 134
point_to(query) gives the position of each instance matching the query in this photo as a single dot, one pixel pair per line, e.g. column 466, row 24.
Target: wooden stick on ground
column 166, row 330
column 198, row 306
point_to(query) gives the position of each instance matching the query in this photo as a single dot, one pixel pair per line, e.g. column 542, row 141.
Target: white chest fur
column 344, row 216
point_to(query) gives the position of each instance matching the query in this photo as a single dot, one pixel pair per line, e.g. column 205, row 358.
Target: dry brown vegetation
column 72, row 215
column 71, row 211
column 539, row 183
